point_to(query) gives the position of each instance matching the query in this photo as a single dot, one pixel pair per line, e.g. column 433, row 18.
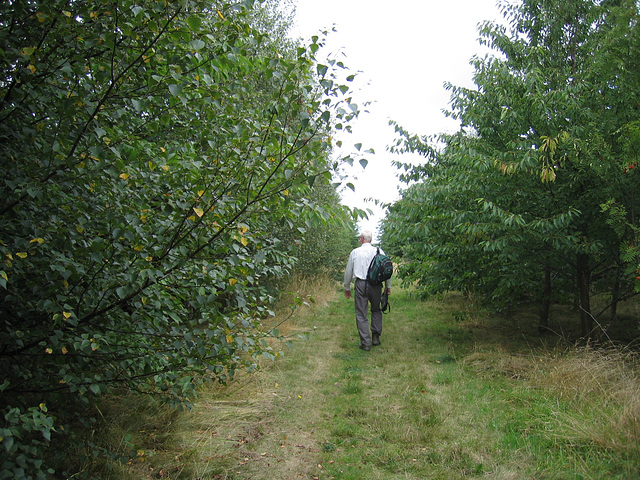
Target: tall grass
column 602, row 391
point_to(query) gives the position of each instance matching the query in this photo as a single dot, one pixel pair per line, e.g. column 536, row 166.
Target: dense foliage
column 536, row 196
column 159, row 165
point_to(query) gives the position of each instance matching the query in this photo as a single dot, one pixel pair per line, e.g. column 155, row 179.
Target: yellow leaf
column 244, row 241
column 48, row 350
column 243, row 229
column 64, row 350
column 32, row 69
column 22, row 254
column 41, row 17
column 198, row 211
column 165, row 168
column 548, row 174
column 37, row 240
column 232, row 281
column 67, row 314
column 200, row 193
column 124, row 176
column 220, row 15
column 286, row 193
column 149, row 259
column 79, row 228
column 192, row 218
column 3, row 274
column 9, row 256
column 66, row 13
column 229, row 338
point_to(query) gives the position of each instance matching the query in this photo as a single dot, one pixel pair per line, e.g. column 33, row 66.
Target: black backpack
column 380, row 269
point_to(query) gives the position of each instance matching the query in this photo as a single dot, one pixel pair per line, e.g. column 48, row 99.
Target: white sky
column 404, row 50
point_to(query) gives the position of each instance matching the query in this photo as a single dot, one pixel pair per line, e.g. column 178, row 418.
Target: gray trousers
column 366, row 294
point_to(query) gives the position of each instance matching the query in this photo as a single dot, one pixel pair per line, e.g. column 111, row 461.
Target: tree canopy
column 535, row 196
column 159, row 165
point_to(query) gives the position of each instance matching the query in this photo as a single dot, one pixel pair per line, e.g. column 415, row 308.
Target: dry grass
column 602, row 388
column 597, row 392
column 303, row 296
column 214, row 440
column 223, row 432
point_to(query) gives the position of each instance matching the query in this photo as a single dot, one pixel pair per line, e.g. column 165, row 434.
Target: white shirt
column 358, row 264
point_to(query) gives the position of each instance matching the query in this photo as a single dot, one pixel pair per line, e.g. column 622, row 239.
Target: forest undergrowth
column 451, row 393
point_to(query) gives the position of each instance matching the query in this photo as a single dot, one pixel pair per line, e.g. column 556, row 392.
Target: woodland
column 169, row 167
column 536, row 196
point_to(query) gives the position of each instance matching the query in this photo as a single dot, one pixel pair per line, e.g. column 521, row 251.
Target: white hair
column 367, row 235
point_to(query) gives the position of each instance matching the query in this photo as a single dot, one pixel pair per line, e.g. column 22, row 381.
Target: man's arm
column 348, row 276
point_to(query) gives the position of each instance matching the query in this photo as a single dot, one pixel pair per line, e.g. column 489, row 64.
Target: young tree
column 539, row 153
column 142, row 145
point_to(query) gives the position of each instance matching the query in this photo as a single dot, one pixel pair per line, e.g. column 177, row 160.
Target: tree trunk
column 584, row 283
column 615, row 295
column 545, row 301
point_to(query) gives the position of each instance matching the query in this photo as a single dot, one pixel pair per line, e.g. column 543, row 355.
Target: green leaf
column 311, row 180
column 194, row 22
column 175, row 89
column 197, row 44
column 322, row 70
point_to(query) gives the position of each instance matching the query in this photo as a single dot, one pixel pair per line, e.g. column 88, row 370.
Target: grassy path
column 437, row 400
column 329, row 410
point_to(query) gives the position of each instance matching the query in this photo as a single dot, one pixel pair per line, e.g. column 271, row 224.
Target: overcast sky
column 404, row 50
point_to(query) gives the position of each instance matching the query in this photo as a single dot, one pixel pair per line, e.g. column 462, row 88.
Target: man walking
column 365, row 293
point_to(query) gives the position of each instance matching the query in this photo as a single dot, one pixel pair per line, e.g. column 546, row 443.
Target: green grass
column 450, row 394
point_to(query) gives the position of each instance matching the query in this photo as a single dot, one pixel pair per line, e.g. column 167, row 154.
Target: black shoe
column 365, row 347
column 376, row 340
